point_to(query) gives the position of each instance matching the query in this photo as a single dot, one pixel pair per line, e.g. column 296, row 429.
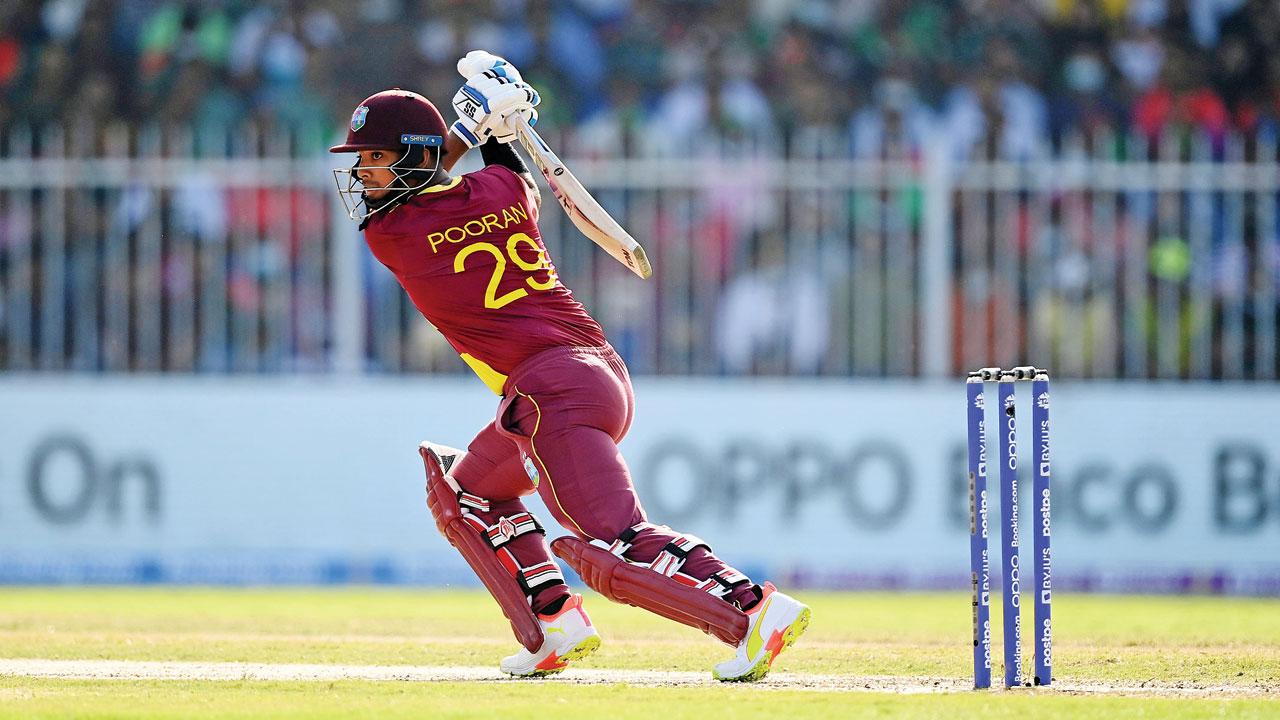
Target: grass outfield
column 1148, row 656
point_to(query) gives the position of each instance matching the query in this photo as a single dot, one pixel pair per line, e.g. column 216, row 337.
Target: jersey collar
column 449, row 184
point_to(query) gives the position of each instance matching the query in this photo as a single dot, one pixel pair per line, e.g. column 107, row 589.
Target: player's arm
column 496, row 152
column 454, row 149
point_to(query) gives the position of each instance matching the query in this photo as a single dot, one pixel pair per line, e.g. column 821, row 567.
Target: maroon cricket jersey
column 469, row 254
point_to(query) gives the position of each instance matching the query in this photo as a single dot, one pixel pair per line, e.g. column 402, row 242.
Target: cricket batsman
column 468, row 252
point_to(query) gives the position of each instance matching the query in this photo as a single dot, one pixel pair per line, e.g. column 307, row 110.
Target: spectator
column 895, row 125
column 1181, row 102
column 1083, row 103
column 995, row 111
column 1139, row 55
column 746, row 67
column 715, row 93
column 773, row 318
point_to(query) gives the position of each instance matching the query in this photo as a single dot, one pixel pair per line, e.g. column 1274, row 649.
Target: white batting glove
column 477, row 62
column 487, row 107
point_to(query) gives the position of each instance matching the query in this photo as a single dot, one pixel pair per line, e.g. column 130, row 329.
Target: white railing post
column 348, row 298
column 935, row 270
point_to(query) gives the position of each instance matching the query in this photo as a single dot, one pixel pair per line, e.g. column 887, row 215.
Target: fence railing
column 154, row 250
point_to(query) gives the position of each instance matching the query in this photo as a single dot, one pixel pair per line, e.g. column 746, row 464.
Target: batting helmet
column 396, row 120
column 385, row 120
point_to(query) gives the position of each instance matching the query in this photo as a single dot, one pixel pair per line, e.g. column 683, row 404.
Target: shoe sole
column 579, row 651
column 763, row 665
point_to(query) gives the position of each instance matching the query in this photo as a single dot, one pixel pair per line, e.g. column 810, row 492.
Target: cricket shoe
column 774, row 624
column 567, row 635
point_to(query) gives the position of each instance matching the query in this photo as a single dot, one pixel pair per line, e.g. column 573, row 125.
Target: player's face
column 371, row 173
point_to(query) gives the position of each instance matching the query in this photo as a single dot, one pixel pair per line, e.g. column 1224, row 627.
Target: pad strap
column 472, row 502
column 533, row 578
column 510, row 527
column 670, row 597
column 538, row 577
column 723, row 582
column 673, row 556
column 620, row 546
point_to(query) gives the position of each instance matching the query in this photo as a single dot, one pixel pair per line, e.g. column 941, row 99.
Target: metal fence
column 191, row 250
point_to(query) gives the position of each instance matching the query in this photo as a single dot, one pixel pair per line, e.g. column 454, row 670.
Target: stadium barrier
column 198, row 250
column 1158, row 487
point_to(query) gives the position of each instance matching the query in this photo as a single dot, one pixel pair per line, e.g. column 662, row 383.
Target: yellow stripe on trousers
column 533, row 448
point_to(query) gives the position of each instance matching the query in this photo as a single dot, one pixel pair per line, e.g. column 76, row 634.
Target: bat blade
column 587, row 215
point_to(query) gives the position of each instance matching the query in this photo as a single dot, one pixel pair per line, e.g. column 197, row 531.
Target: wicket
column 979, row 548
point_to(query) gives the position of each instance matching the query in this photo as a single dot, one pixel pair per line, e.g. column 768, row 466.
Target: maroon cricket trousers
column 557, row 430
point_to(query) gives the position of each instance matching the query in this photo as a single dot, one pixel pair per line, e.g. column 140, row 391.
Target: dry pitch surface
column 390, row 653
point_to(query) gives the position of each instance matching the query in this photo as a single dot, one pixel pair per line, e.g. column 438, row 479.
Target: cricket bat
column 591, row 219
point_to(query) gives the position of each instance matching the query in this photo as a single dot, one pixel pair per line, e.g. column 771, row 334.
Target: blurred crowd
column 1014, row 73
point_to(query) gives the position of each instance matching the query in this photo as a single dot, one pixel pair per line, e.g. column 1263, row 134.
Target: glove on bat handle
column 476, row 62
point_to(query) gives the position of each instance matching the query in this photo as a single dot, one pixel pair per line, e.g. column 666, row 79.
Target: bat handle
column 531, row 137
